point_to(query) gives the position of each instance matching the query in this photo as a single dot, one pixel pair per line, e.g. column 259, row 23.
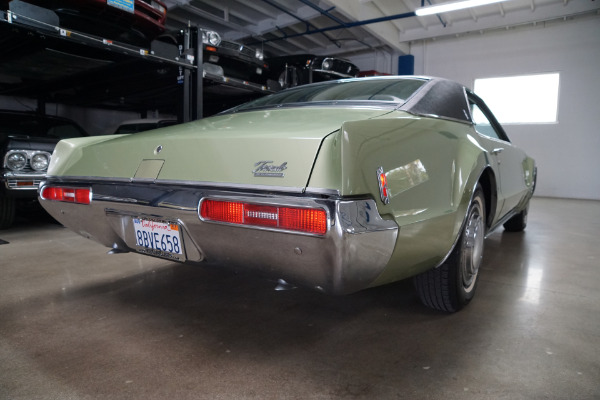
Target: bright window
column 527, row 99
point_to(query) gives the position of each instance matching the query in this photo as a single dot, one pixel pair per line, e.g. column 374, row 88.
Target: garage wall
column 380, row 61
column 566, row 152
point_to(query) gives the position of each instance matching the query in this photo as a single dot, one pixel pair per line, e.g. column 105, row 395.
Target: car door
column 506, row 159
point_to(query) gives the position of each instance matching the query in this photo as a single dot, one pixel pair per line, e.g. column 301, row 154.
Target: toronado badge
column 268, row 169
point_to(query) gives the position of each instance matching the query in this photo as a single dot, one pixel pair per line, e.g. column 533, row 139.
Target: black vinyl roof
column 442, row 98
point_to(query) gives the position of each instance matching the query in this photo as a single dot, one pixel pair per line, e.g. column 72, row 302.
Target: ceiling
column 343, row 28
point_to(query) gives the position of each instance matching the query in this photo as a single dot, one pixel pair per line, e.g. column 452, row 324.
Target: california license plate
column 158, row 238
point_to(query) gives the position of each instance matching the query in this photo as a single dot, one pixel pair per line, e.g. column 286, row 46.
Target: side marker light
column 383, row 188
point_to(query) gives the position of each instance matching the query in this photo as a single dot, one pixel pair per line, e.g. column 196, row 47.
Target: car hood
column 275, row 148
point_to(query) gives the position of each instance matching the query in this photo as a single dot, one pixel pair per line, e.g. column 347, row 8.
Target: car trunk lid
column 267, row 148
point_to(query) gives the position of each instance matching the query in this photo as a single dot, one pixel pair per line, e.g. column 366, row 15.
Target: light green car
column 337, row 186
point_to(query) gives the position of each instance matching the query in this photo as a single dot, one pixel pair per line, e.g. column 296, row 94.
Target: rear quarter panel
column 432, row 167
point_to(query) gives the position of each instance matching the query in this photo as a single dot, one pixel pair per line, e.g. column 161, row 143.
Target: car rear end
column 205, row 192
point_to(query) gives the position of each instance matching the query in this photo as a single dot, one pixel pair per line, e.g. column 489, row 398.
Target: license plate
column 126, row 5
column 158, row 238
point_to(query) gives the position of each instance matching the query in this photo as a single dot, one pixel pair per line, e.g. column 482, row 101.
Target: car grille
column 247, row 51
column 22, row 184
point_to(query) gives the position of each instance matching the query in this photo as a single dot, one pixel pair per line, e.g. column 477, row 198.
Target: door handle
column 497, row 151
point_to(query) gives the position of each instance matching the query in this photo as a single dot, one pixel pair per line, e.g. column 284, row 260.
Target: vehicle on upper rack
column 338, row 186
column 26, row 144
column 142, row 125
column 300, row 69
column 136, row 22
column 233, row 63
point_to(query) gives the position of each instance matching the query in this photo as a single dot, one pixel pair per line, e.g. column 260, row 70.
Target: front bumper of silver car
column 348, row 257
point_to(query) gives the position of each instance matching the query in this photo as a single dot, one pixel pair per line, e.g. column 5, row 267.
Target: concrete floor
column 76, row 323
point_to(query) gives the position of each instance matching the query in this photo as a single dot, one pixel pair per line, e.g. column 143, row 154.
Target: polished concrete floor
column 76, row 323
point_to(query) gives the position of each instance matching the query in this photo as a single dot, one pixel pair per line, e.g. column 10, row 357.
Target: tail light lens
column 306, row 220
column 68, row 195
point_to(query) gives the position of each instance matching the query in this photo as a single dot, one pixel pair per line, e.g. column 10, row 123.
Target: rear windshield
column 143, row 126
column 394, row 91
column 135, row 128
column 34, row 126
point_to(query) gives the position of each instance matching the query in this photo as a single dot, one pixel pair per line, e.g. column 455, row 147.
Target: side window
column 482, row 123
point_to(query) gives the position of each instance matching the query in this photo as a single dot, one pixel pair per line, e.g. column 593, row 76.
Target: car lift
column 23, row 20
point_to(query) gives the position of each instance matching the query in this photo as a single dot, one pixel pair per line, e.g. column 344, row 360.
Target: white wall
column 380, row 61
column 568, row 152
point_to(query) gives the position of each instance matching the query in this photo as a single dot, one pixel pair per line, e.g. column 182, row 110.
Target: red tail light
column 69, row 195
column 307, row 220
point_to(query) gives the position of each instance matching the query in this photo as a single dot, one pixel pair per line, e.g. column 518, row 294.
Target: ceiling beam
column 357, row 10
column 542, row 13
column 280, row 20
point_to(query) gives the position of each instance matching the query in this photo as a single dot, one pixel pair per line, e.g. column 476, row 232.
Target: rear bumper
column 349, row 257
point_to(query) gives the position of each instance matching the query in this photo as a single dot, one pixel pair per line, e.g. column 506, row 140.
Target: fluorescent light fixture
column 457, row 5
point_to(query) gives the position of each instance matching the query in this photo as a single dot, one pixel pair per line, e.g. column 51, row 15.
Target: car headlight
column 327, row 64
column 211, row 37
column 40, row 161
column 16, row 161
column 158, row 7
column 259, row 54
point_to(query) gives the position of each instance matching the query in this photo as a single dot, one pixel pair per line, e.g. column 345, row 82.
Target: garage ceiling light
column 458, row 5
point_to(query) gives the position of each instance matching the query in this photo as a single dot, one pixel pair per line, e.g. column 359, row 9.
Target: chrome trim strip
column 234, row 186
column 26, row 176
column 164, row 182
column 92, row 179
column 321, row 191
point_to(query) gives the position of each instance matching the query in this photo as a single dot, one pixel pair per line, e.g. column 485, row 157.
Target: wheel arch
column 488, row 183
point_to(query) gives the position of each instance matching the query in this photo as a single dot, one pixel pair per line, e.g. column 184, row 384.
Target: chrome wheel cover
column 472, row 248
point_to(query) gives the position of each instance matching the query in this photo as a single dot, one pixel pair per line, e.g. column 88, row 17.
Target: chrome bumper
column 349, row 257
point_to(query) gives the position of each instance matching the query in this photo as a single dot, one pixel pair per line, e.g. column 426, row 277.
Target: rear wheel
column 7, row 211
column 452, row 285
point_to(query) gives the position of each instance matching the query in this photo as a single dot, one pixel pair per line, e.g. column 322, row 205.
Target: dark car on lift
column 233, row 62
column 301, row 69
column 27, row 141
column 135, row 22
